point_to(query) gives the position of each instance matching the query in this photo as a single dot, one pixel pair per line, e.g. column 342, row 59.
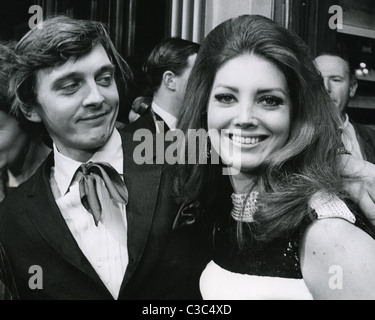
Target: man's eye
column 70, row 87
column 271, row 101
column 105, row 80
column 225, row 98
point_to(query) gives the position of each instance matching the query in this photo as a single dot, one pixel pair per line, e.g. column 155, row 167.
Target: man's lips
column 94, row 116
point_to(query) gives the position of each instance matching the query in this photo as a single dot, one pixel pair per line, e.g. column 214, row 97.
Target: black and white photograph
column 187, row 154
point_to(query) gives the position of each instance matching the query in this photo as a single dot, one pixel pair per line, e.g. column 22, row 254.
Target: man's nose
column 327, row 84
column 93, row 95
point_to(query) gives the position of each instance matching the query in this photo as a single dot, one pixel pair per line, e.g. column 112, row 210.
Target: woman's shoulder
column 333, row 230
column 334, row 249
column 332, row 212
column 334, row 226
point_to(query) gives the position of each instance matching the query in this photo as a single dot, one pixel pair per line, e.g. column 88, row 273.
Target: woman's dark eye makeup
column 225, row 98
column 268, row 100
column 271, row 101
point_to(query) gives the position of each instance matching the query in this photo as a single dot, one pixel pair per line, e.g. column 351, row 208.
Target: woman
column 288, row 234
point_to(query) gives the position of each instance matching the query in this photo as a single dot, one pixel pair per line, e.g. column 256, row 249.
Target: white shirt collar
column 65, row 167
column 349, row 138
column 169, row 119
column 345, row 124
column 13, row 182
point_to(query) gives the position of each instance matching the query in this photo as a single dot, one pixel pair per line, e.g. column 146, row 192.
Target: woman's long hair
column 307, row 163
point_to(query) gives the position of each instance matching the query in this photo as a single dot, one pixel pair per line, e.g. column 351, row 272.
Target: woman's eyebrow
column 269, row 90
column 224, row 86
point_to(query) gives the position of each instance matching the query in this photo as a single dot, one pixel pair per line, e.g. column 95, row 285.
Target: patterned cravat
column 92, row 173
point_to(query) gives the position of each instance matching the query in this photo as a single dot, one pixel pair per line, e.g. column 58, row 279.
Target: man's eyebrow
column 106, row 68
column 63, row 78
column 335, row 76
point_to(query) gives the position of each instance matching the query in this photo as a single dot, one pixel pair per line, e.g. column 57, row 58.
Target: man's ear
column 353, row 86
column 169, row 80
column 31, row 114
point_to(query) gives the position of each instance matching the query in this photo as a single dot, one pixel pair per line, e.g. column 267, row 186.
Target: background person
column 168, row 68
column 341, row 84
column 21, row 148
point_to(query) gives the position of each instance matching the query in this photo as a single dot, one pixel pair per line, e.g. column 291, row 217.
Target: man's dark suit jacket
column 366, row 140
column 161, row 263
column 146, row 121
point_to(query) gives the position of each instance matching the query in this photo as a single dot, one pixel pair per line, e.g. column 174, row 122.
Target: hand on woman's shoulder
column 338, row 260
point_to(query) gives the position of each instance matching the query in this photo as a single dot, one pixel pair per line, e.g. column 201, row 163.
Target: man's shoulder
column 364, row 129
column 145, row 121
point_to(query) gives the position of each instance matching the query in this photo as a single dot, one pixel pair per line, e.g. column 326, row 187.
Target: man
column 168, row 68
column 75, row 230
column 341, row 84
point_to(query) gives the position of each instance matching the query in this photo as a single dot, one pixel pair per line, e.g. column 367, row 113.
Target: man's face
column 336, row 74
column 78, row 103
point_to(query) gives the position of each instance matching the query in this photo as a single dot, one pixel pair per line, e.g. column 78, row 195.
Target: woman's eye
column 271, row 101
column 225, row 98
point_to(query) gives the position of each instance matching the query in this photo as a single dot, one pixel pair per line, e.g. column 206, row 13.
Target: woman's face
column 250, row 107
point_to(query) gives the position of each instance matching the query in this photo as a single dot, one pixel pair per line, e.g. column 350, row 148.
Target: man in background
column 341, row 84
column 168, row 68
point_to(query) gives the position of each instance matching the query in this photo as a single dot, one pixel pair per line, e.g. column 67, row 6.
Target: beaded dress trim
column 330, row 206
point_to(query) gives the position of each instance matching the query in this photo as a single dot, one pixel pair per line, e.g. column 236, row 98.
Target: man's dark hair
column 61, row 38
column 343, row 55
column 171, row 54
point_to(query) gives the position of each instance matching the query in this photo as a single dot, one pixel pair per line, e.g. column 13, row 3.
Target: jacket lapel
column 47, row 219
column 365, row 137
column 147, row 121
column 143, row 183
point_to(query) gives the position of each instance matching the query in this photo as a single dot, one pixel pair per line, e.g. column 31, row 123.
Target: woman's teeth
column 243, row 140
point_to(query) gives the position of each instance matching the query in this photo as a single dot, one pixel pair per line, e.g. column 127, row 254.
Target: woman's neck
column 243, row 182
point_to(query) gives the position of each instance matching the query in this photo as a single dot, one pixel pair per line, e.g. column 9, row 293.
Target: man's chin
column 94, row 139
column 98, row 141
